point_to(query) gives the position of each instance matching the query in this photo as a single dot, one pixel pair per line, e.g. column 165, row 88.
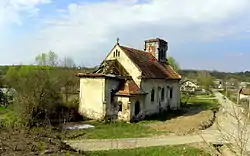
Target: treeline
column 241, row 76
column 46, row 92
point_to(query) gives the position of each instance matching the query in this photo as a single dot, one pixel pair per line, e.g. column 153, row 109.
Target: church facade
column 130, row 83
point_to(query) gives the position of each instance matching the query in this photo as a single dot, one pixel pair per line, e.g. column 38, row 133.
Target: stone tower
column 158, row 48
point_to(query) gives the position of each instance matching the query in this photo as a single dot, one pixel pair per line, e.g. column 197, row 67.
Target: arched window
column 116, row 53
column 162, row 93
column 112, row 97
column 120, row 106
column 152, row 95
column 171, row 93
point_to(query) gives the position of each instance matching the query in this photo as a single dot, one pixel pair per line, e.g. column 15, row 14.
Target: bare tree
column 232, row 128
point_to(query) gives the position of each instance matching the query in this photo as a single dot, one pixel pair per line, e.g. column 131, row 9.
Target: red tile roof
column 245, row 91
column 129, row 88
column 149, row 65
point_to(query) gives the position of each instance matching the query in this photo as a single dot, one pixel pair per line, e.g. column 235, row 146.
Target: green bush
column 39, row 100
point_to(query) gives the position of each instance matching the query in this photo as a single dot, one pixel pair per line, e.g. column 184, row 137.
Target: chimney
column 158, row 48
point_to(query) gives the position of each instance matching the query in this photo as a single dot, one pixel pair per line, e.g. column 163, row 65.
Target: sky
column 211, row 34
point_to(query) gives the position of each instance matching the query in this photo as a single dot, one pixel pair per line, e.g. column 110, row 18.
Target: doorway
column 137, row 108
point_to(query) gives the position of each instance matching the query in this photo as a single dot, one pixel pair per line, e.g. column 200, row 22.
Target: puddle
column 82, row 126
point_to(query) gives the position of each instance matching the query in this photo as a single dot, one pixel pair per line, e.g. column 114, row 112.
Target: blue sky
column 210, row 34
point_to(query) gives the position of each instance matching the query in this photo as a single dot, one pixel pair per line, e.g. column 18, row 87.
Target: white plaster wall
column 175, row 103
column 153, row 107
column 126, row 108
column 127, row 63
column 109, row 85
column 133, row 100
column 92, row 97
column 242, row 96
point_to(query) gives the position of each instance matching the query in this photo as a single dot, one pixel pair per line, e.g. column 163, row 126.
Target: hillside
column 241, row 76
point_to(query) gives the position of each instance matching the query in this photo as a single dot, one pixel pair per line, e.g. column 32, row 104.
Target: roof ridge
column 134, row 49
column 148, row 64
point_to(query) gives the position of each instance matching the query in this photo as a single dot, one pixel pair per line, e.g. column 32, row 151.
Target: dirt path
column 107, row 144
column 210, row 135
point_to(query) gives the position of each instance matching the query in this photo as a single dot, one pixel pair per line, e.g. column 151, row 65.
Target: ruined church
column 130, row 83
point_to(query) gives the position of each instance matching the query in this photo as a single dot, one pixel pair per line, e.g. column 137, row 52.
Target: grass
column 231, row 95
column 181, row 150
column 2, row 110
column 114, row 130
column 203, row 103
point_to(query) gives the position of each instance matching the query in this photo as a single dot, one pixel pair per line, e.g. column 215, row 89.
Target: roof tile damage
column 129, row 88
column 145, row 61
column 149, row 65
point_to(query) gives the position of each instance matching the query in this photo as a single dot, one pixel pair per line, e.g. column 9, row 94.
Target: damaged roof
column 129, row 88
column 149, row 65
column 112, row 67
column 245, row 91
column 99, row 75
column 108, row 69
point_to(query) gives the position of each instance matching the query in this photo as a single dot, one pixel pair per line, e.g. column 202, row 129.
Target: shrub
column 38, row 100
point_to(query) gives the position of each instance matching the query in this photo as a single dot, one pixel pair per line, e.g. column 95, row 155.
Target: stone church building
column 130, row 83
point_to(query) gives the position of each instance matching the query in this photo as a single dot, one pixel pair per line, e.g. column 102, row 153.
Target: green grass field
column 131, row 130
column 2, row 110
column 182, row 150
column 203, row 103
column 115, row 130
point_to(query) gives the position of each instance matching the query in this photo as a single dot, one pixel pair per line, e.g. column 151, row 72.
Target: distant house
column 218, row 83
column 245, row 93
column 189, row 86
column 130, row 83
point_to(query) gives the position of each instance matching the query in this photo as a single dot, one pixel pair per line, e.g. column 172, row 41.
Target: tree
column 205, row 79
column 40, row 95
column 37, row 97
column 47, row 59
column 172, row 62
column 232, row 126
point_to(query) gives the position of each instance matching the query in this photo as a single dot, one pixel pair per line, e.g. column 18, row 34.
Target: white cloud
column 86, row 27
column 86, row 31
column 11, row 11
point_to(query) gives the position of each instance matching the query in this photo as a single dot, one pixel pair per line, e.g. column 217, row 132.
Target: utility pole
column 226, row 92
column 226, row 88
column 238, row 96
column 248, row 102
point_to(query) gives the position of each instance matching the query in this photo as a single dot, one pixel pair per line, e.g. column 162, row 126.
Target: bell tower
column 158, row 48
